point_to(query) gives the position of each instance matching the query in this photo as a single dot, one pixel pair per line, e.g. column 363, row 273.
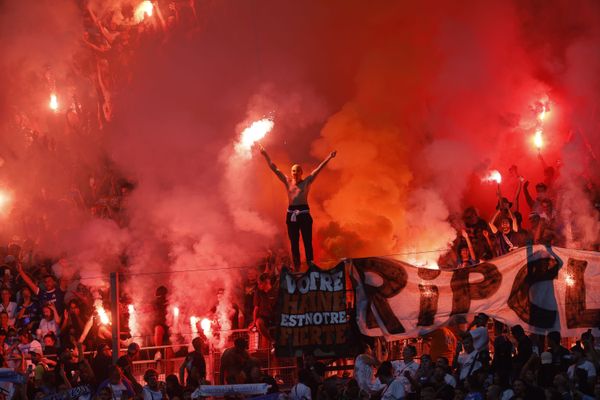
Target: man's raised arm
column 273, row 167
column 322, row 165
column 35, row 288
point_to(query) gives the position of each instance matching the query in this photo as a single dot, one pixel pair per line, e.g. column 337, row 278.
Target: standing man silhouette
column 298, row 217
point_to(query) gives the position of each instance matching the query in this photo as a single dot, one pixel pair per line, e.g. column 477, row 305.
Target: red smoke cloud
column 420, row 100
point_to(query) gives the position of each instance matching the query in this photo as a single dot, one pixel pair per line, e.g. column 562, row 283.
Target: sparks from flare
column 194, row 325
column 493, row 176
column 145, row 8
column 53, row 102
column 205, row 325
column 104, row 319
column 252, row 134
column 133, row 324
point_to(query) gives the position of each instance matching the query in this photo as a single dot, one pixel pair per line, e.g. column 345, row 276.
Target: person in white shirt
column 363, row 371
column 480, row 335
column 407, row 368
column 581, row 363
column 154, row 390
column 394, row 389
column 50, row 321
column 301, row 391
column 467, row 361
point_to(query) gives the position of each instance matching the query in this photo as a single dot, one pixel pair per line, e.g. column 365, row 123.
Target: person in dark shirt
column 233, row 362
column 51, row 294
column 101, row 362
column 265, row 299
column 125, row 362
column 28, row 310
column 506, row 236
column 561, row 356
column 476, row 227
column 195, row 365
column 524, row 348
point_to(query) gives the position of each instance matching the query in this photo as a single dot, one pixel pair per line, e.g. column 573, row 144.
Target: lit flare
column 205, row 324
column 53, row 102
column 5, row 200
column 493, row 176
column 104, row 318
column 538, row 139
column 252, row 134
column 143, row 9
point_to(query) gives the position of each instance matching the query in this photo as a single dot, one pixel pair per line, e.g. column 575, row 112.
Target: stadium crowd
column 49, row 330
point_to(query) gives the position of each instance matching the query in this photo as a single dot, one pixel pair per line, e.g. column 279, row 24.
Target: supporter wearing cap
column 125, row 362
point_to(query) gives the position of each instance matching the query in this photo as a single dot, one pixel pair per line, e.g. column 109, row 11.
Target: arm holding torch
column 273, row 167
column 316, row 171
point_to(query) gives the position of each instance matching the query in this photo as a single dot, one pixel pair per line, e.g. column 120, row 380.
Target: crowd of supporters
column 48, row 321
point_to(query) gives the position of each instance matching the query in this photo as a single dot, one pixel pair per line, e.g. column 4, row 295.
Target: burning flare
column 252, row 134
column 194, row 325
column 5, row 200
column 493, row 176
column 53, row 102
column 538, row 139
column 175, row 312
column 104, row 319
column 145, row 8
column 133, row 324
column 205, row 325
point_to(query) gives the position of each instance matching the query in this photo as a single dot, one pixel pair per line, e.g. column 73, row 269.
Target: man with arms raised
column 298, row 217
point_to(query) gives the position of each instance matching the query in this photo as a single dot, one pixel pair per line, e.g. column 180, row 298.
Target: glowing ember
column 569, row 280
column 493, row 176
column 252, row 134
column 145, row 8
column 538, row 139
column 53, row 102
column 176, row 312
column 104, row 319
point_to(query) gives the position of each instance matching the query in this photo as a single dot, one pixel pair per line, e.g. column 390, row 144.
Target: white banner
column 541, row 288
column 230, row 390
